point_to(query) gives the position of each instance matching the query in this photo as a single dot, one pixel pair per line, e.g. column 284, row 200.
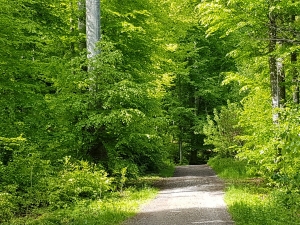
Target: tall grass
column 251, row 201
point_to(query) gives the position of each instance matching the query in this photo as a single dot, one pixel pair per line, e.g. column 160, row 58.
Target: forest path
column 194, row 195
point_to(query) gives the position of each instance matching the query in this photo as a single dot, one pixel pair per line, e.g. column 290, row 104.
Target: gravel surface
column 194, row 195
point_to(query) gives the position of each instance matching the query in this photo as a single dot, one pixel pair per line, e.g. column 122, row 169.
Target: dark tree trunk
column 81, row 24
column 274, row 65
column 295, row 79
column 294, row 59
column 280, row 81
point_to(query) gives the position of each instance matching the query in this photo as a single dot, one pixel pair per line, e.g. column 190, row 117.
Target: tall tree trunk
column 195, row 138
column 273, row 65
column 92, row 35
column 92, row 26
column 72, row 46
column 180, row 150
column 281, row 81
column 296, row 95
column 81, row 25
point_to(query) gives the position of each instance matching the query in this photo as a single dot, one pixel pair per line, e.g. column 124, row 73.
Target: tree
column 198, row 90
column 277, row 34
column 267, row 42
column 93, row 26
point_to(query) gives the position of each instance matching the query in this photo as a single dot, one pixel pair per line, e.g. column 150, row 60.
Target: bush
column 77, row 180
column 25, row 184
column 8, row 206
column 40, row 184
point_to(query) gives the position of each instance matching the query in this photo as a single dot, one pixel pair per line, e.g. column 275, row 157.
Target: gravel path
column 194, row 195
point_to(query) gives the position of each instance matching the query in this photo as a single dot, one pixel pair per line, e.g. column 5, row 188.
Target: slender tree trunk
column 296, row 95
column 273, row 65
column 179, row 125
column 294, row 59
column 281, row 81
column 180, row 151
column 81, row 25
column 194, row 138
column 72, row 25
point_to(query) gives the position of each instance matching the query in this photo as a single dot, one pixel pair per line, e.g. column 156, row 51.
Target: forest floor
column 194, row 195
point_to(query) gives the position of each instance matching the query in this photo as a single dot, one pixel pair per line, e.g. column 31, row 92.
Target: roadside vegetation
column 117, row 201
column 255, row 137
column 251, row 200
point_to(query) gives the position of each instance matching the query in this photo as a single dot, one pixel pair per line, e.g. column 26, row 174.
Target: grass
column 113, row 209
column 229, row 168
column 251, row 201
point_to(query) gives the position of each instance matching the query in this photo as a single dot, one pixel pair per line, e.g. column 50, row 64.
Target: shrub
column 8, row 206
column 40, row 184
column 78, row 180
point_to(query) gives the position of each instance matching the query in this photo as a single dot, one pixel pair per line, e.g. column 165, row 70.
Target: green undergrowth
column 167, row 170
column 251, row 200
column 111, row 209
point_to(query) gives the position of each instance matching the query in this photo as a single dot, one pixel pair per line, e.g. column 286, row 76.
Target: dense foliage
column 174, row 81
column 262, row 128
column 68, row 133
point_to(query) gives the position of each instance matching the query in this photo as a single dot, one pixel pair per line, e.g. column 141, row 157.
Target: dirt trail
column 194, row 195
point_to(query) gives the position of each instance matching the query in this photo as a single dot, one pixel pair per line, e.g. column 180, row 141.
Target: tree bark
column 92, row 26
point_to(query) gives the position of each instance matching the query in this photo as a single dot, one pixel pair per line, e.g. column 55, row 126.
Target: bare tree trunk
column 92, row 36
column 92, row 26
